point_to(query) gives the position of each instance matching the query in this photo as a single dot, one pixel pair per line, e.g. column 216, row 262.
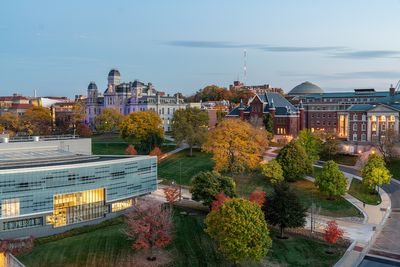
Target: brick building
column 288, row 120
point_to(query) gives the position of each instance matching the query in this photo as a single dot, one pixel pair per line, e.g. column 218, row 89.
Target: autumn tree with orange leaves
column 150, row 226
column 130, row 150
column 236, row 146
column 171, row 193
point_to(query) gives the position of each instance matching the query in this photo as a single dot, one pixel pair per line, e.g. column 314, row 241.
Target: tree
column 258, row 197
column 172, row 194
column 206, row 185
column 273, row 171
column 240, row 230
column 220, row 199
column 268, row 123
column 236, row 146
column 108, row 121
column 2, row 128
column 386, row 144
column 150, row 227
column 10, row 121
column 156, row 152
column 294, row 161
column 332, row 232
column 37, row 121
column 130, row 150
column 143, row 127
column 331, row 180
column 330, row 147
column 311, row 144
column 283, row 208
column 375, row 173
column 83, row 130
column 190, row 126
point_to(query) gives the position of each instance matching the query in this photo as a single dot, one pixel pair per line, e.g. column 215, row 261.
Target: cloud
column 264, row 47
column 368, row 54
column 381, row 74
column 203, row 44
column 301, row 48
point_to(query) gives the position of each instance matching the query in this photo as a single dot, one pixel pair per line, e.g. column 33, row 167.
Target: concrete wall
column 77, row 146
column 8, row 260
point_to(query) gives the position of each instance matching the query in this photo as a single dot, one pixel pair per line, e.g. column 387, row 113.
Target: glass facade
column 77, row 207
column 75, row 192
column 121, row 205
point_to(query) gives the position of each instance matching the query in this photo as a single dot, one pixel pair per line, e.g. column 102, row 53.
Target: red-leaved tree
column 83, row 130
column 171, row 194
column 220, row 198
column 130, row 150
column 156, row 152
column 149, row 225
column 258, row 197
column 332, row 232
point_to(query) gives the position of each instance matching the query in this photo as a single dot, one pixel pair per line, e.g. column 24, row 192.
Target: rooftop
column 45, row 158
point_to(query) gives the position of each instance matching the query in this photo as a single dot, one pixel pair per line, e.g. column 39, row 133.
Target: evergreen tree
column 283, row 208
column 268, row 123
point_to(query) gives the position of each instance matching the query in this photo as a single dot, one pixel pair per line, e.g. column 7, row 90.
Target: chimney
column 392, row 90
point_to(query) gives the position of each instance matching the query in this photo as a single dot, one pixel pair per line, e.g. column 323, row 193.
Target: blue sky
column 58, row 47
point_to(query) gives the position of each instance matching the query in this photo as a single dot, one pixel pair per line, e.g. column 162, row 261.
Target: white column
column 387, row 122
column 396, row 124
column 368, row 129
column 377, row 126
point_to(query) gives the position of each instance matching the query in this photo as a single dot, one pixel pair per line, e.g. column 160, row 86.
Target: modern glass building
column 44, row 191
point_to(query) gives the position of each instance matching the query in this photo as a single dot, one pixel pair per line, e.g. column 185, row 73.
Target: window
column 354, row 126
column 354, row 137
column 10, row 207
column 383, row 127
column 355, row 117
column 364, row 118
column 363, row 127
column 120, row 205
column 373, row 126
column 363, row 137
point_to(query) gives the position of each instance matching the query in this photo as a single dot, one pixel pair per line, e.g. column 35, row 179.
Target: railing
column 30, row 138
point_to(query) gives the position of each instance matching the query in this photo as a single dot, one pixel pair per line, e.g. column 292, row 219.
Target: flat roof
column 45, row 158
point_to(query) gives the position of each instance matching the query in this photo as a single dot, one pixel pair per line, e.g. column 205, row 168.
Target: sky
column 58, row 47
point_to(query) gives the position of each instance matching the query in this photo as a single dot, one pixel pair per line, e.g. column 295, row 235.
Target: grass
column 363, row 193
column 338, row 207
column 306, row 191
column 190, row 247
column 344, row 159
column 169, row 168
column 394, row 167
column 119, row 148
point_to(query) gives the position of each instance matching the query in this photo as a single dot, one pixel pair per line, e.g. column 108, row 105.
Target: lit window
column 10, row 207
column 121, row 205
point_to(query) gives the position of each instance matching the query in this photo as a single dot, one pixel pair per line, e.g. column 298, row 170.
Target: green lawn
column 190, row 247
column 169, row 168
column 119, row 148
column 344, row 159
column 362, row 193
column 339, row 207
column 394, row 168
column 306, row 191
